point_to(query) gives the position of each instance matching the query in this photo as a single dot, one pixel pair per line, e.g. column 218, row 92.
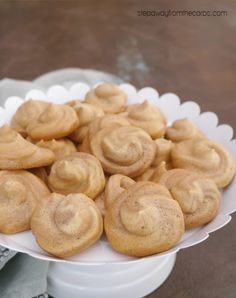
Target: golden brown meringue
column 183, row 129
column 66, row 225
column 106, row 121
column 20, row 191
column 56, row 121
column 205, row 157
column 77, row 173
column 153, row 173
column 107, row 96
column 17, row 153
column 144, row 220
column 27, row 113
column 98, row 124
column 123, row 150
column 116, row 184
column 163, row 152
column 198, row 197
column 161, row 162
column 60, row 147
column 147, row 117
column 86, row 114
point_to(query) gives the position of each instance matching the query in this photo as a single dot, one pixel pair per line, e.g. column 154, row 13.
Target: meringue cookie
column 77, row 173
column 107, row 96
column 205, row 157
column 144, row 220
column 66, row 225
column 20, row 192
column 17, row 153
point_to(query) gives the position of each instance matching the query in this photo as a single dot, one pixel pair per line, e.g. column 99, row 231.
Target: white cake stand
column 126, row 280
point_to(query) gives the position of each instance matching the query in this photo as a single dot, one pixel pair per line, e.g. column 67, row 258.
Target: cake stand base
column 127, row 280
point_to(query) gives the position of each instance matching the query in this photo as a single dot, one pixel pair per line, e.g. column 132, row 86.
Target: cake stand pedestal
column 126, row 280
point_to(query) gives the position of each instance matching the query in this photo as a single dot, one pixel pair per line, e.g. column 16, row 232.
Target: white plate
column 169, row 103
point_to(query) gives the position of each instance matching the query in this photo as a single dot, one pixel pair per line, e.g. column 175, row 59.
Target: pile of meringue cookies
column 71, row 172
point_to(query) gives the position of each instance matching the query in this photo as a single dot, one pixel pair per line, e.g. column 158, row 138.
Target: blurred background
column 190, row 55
column 193, row 56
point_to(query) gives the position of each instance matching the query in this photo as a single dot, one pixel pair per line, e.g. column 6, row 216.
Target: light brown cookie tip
column 183, row 129
column 108, row 97
column 147, row 117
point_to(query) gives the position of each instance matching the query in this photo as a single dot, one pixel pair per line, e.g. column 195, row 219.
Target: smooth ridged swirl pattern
column 98, row 124
column 205, row 157
column 28, row 112
column 66, row 225
column 108, row 97
column 55, row 122
column 147, row 117
column 86, row 114
column 17, row 153
column 106, row 121
column 144, row 220
column 198, row 197
column 123, row 150
column 61, row 147
column 183, row 129
column 77, row 173
column 20, row 191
